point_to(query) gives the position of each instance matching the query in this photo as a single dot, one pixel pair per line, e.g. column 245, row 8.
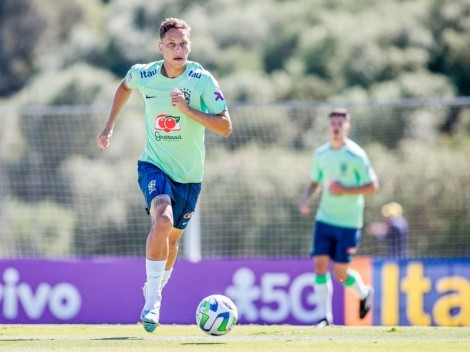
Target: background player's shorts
column 339, row 243
column 184, row 196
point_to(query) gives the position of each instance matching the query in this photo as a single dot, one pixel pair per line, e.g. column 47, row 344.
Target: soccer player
column 181, row 100
column 341, row 169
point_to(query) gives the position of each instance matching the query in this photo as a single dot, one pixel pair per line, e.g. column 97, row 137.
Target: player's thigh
column 161, row 210
column 323, row 241
column 346, row 245
column 186, row 197
column 322, row 247
column 153, row 182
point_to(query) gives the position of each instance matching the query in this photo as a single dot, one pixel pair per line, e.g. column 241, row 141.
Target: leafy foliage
column 301, row 55
column 262, row 52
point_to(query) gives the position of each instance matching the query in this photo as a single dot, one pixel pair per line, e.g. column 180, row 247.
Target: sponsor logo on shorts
column 351, row 250
column 152, row 186
column 188, row 215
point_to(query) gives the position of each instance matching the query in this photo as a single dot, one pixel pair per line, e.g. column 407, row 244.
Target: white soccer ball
column 216, row 315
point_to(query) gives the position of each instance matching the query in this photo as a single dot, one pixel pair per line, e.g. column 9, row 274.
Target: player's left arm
column 218, row 123
column 215, row 116
column 335, row 187
column 366, row 176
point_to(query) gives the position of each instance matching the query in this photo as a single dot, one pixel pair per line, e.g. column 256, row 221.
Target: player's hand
column 336, row 188
column 304, row 209
column 177, row 99
column 103, row 139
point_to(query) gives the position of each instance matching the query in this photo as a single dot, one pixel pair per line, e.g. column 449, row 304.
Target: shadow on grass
column 123, row 338
column 202, row 343
column 32, row 339
column 118, row 338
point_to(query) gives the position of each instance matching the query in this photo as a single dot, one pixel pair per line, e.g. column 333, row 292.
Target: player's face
column 175, row 47
column 338, row 127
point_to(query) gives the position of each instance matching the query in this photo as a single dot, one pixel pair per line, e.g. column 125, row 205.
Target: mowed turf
column 243, row 338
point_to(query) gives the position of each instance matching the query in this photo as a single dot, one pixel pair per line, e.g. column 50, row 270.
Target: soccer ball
column 216, row 315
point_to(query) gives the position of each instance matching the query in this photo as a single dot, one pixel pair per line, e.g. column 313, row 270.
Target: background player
column 342, row 170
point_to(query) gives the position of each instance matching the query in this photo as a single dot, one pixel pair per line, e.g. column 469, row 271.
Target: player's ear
column 160, row 46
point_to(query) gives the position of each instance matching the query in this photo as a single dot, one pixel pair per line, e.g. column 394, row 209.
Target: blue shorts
column 339, row 243
column 184, row 196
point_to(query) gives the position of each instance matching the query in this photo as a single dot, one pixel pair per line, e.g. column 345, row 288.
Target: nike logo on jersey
column 150, row 96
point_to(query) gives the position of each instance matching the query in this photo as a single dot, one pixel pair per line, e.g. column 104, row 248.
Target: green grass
column 244, row 338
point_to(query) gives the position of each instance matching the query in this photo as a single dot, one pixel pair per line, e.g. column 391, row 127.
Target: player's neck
column 338, row 143
column 172, row 73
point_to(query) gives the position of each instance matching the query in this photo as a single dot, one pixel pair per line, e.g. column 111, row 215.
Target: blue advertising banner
column 422, row 292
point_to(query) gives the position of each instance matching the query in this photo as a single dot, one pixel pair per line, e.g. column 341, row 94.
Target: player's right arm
column 123, row 92
column 316, row 177
column 309, row 190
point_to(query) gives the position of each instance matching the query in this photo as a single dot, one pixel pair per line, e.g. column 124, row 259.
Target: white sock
column 166, row 277
column 155, row 270
column 324, row 289
column 354, row 282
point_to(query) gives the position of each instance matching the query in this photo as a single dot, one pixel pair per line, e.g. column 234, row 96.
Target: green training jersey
column 349, row 166
column 175, row 142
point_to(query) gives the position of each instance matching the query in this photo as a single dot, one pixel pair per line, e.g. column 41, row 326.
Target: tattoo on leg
column 161, row 199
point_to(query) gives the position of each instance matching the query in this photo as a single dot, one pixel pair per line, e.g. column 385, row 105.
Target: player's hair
column 392, row 209
column 171, row 22
column 341, row 112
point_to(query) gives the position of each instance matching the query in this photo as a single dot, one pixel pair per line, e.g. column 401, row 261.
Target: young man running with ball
column 181, row 100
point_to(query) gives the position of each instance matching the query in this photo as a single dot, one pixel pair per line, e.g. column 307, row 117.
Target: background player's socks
column 324, row 289
column 354, row 282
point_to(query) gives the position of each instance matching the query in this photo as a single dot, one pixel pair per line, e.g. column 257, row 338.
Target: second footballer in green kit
column 182, row 100
column 342, row 170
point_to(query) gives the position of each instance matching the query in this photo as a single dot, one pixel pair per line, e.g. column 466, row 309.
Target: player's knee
column 340, row 277
column 340, row 274
column 163, row 224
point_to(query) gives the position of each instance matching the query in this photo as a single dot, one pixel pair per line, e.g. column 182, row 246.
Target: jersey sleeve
column 212, row 97
column 365, row 171
column 316, row 173
column 133, row 77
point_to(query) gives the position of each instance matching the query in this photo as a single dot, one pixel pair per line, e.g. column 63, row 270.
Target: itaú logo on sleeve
column 63, row 299
column 167, row 123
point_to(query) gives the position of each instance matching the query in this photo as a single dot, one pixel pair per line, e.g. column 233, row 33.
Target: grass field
column 244, row 338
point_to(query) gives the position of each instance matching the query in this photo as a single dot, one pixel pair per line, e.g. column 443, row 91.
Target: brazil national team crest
column 167, row 123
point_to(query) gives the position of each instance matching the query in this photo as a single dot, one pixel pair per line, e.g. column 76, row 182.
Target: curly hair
column 169, row 23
